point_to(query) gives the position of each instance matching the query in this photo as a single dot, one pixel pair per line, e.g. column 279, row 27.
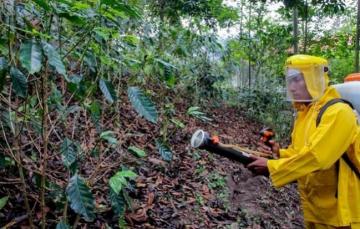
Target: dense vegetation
column 68, row 69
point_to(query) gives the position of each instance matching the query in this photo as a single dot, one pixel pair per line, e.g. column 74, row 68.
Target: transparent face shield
column 306, row 84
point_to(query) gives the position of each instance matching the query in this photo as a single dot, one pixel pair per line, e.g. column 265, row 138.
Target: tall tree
column 306, row 18
column 295, row 30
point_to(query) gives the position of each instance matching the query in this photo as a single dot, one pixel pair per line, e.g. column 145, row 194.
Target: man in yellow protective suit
column 329, row 189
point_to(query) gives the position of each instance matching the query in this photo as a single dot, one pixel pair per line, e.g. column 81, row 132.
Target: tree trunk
column 249, row 44
column 241, row 19
column 295, row 27
column 306, row 26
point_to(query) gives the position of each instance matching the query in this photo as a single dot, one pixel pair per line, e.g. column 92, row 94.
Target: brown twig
column 45, row 138
column 15, row 221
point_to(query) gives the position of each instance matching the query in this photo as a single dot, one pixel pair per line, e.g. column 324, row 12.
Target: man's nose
column 292, row 86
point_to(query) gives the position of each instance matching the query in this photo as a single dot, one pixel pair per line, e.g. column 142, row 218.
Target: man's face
column 297, row 88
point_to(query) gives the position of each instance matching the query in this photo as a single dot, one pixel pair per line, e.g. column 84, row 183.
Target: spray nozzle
column 267, row 135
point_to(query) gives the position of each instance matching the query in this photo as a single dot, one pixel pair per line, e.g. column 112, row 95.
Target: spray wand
column 202, row 140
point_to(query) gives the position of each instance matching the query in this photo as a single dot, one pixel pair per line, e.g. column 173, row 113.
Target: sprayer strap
column 328, row 104
column 318, row 120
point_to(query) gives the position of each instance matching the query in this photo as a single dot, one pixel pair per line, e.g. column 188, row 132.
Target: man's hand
column 274, row 151
column 275, row 147
column 259, row 166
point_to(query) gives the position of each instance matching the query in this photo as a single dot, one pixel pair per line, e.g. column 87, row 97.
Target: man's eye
column 297, row 79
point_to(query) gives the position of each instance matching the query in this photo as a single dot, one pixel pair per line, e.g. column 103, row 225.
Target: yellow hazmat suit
column 329, row 195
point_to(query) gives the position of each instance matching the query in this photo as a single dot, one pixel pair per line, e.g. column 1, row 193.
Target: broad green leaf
column 54, row 58
column 127, row 173
column 118, row 181
column 117, row 202
column 31, row 56
column 3, row 201
column 62, row 225
column 142, row 104
column 19, row 82
column 3, row 71
column 138, row 152
column 164, row 150
column 168, row 71
column 109, row 136
column 69, row 152
column 108, row 90
column 81, row 198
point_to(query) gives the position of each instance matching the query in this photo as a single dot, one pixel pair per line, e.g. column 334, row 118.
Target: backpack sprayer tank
column 202, row 140
column 350, row 91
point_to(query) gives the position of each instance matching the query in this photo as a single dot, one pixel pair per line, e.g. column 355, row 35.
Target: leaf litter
column 196, row 189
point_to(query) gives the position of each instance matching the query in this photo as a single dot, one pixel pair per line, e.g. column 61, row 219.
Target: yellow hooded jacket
column 311, row 157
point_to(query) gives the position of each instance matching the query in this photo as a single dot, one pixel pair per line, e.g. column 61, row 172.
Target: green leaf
column 80, row 197
column 31, row 56
column 43, row 4
column 95, row 111
column 121, row 222
column 3, row 71
column 138, row 152
column 127, row 173
column 142, row 104
column 178, row 123
column 118, row 181
column 102, row 32
column 6, row 161
column 19, row 82
column 75, row 79
column 54, row 58
column 108, row 90
column 73, row 18
column 117, row 202
column 109, row 136
column 3, row 65
column 131, row 40
column 164, row 150
column 3, row 201
column 195, row 112
column 62, row 225
column 69, row 152
column 122, row 7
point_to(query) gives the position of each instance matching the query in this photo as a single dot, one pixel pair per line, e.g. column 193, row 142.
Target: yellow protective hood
column 314, row 70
